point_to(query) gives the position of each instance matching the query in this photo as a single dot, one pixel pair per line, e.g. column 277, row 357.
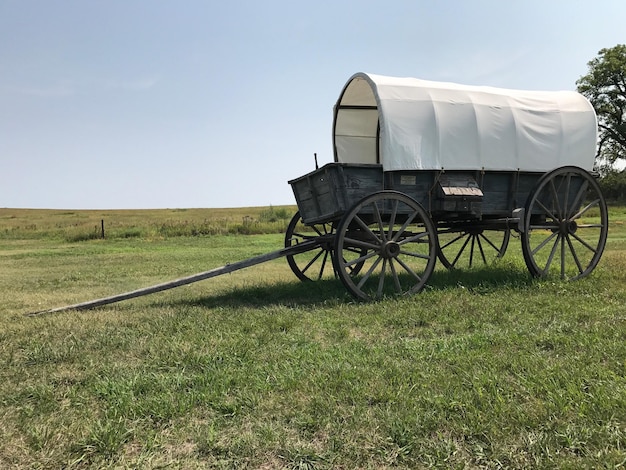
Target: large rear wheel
column 565, row 225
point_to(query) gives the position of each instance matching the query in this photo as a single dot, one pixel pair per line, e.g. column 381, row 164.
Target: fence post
column 102, row 226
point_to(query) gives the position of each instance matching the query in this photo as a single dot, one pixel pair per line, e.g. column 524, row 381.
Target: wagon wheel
column 475, row 246
column 565, row 224
column 392, row 240
column 315, row 264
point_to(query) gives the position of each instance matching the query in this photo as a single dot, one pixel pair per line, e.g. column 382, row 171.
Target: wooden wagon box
column 326, row 193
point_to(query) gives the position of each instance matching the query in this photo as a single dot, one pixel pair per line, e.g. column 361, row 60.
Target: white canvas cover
column 411, row 124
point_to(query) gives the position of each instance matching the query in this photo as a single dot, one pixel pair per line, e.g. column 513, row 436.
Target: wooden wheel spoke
column 555, row 198
column 408, row 222
column 313, row 260
column 584, row 243
column 381, row 279
column 379, row 221
column 318, row 231
column 552, row 253
column 361, row 259
column 353, row 242
column 413, row 238
column 582, row 190
column 568, row 182
column 392, row 217
column 573, row 251
column 480, row 248
column 367, row 230
column 590, row 226
column 472, row 250
column 454, row 240
column 396, row 278
column 414, row 255
column 352, row 269
column 562, row 257
column 461, row 250
column 369, row 272
column 321, row 270
column 544, row 243
column 408, row 269
column 482, row 235
column 581, row 212
column 547, row 211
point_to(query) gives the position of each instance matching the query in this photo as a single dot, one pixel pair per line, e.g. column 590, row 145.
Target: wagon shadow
column 485, row 279
column 287, row 293
column 331, row 291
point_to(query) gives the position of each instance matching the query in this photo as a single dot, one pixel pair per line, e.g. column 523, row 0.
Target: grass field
column 483, row 369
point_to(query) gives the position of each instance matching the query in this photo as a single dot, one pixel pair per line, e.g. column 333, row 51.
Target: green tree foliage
column 605, row 87
column 613, row 186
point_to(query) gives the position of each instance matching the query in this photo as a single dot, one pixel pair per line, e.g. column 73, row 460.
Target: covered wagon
column 425, row 170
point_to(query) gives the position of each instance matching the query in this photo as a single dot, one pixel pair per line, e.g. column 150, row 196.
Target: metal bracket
column 518, row 215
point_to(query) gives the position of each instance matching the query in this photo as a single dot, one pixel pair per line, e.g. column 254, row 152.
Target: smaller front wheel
column 315, row 264
column 392, row 241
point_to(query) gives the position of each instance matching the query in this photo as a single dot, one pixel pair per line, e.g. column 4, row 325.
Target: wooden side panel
column 501, row 191
column 498, row 191
column 416, row 184
column 505, row 191
column 325, row 194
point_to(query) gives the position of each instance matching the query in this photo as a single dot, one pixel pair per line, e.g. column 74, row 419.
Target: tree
column 605, row 87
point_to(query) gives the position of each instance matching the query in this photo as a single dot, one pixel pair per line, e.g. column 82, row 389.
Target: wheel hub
column 567, row 227
column 390, row 249
column 572, row 226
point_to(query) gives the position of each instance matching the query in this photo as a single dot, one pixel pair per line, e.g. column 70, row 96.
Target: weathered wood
column 292, row 250
column 326, row 193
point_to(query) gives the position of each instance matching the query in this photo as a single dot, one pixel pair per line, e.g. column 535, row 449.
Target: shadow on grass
column 331, row 291
column 485, row 279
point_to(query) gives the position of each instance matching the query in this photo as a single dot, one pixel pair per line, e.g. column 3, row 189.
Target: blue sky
column 160, row 104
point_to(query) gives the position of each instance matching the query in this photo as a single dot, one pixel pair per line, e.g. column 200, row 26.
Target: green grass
column 483, row 369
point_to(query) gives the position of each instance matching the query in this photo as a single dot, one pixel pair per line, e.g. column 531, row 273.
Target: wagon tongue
column 229, row 268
